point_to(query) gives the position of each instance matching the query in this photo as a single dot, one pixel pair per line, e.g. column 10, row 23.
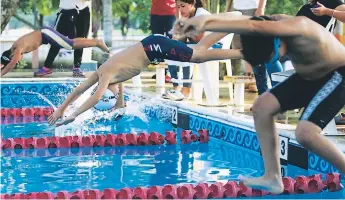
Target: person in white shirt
column 73, row 20
column 188, row 9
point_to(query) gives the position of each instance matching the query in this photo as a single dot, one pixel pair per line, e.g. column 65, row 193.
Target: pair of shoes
column 340, row 119
column 42, row 71
column 173, row 95
column 78, row 73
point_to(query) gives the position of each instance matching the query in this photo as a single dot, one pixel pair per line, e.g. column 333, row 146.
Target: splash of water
column 135, row 108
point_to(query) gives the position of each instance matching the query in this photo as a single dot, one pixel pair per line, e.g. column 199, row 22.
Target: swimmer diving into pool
column 129, row 63
column 318, row 84
column 35, row 39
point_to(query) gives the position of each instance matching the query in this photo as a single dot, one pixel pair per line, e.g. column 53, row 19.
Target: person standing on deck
column 163, row 16
column 72, row 20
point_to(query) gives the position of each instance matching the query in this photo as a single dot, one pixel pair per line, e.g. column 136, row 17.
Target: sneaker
column 340, row 119
column 42, row 71
column 78, row 73
column 174, row 95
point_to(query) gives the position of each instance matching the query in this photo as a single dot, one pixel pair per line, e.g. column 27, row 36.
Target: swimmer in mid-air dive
column 129, row 63
column 318, row 84
column 35, row 39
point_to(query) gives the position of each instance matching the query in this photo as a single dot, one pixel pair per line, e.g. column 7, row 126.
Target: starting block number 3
column 283, row 147
column 174, row 115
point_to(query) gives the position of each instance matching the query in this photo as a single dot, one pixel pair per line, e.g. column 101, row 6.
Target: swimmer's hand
column 57, row 114
column 66, row 121
column 192, row 27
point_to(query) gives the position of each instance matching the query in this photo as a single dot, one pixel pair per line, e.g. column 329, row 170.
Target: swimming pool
column 230, row 152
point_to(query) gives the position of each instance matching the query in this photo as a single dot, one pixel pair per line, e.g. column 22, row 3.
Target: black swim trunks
column 321, row 99
column 158, row 47
column 54, row 38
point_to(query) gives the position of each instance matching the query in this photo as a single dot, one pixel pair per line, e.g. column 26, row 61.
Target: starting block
column 160, row 75
column 237, row 93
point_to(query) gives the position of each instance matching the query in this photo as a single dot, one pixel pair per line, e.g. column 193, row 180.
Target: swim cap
column 5, row 57
column 107, row 102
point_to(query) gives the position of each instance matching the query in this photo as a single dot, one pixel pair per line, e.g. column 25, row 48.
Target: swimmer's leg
column 309, row 136
column 320, row 110
column 52, row 37
column 80, row 43
column 264, row 110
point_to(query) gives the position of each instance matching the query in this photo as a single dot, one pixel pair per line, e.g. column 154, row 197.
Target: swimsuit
column 159, row 47
column 54, row 38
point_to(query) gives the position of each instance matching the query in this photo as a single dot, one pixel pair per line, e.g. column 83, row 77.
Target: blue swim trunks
column 54, row 38
column 159, row 47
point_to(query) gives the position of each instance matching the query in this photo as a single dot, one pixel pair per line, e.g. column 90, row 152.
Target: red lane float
column 187, row 136
column 131, row 139
column 26, row 112
column 58, row 152
column 201, row 191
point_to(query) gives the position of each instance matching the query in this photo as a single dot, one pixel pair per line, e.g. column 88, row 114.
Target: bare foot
column 103, row 46
column 274, row 186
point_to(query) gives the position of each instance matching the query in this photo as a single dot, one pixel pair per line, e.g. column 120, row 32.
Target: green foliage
column 138, row 12
column 289, row 7
column 141, row 14
column 276, row 6
column 44, row 7
column 121, row 8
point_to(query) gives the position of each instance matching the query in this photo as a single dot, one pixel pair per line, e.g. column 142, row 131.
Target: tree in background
column 38, row 9
column 97, row 17
column 141, row 15
column 121, row 9
column 107, row 22
column 8, row 9
column 289, row 7
column 133, row 13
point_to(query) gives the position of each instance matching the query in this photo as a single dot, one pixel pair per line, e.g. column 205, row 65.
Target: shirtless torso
column 23, row 46
column 315, row 54
column 121, row 67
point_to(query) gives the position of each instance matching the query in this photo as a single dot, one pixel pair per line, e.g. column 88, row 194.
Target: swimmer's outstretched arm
column 72, row 97
column 17, row 54
column 103, row 83
column 295, row 26
column 201, row 56
column 278, row 17
column 207, row 41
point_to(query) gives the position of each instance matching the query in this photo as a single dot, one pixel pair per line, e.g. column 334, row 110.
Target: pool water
column 124, row 124
column 119, row 167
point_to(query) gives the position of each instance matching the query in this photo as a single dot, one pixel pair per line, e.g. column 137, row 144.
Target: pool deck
column 285, row 121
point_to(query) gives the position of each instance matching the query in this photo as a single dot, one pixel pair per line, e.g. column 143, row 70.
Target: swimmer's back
column 28, row 42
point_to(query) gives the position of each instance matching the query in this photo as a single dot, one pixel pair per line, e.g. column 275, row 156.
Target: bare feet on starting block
column 274, row 185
